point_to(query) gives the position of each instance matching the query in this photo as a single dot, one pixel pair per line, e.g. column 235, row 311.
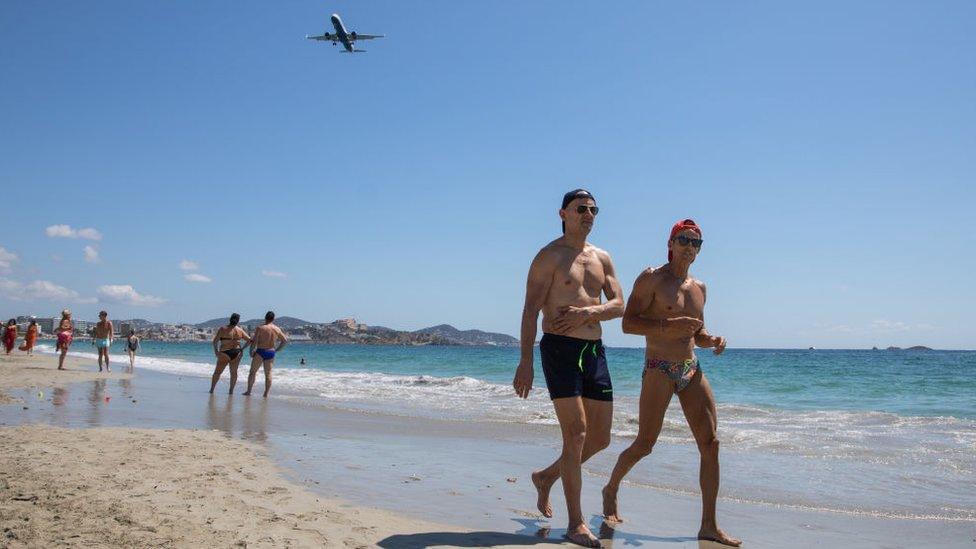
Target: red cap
column 684, row 225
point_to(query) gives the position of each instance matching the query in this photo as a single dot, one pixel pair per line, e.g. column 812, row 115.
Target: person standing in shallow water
column 227, row 349
column 65, row 333
column 102, row 339
column 266, row 337
column 667, row 307
column 565, row 282
column 132, row 346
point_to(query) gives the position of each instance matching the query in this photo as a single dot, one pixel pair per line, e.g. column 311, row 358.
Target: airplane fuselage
column 341, row 34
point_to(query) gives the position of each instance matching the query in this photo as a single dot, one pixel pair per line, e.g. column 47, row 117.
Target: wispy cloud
column 187, row 265
column 197, row 277
column 7, row 259
column 91, row 254
column 66, row 231
column 273, row 274
column 39, row 289
column 127, row 295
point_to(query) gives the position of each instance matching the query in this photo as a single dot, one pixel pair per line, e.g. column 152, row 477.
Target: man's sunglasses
column 582, row 209
column 684, row 241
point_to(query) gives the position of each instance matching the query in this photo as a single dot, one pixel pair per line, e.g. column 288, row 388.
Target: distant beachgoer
column 301, row 362
column 132, row 346
column 667, row 307
column 263, row 351
column 65, row 333
column 565, row 282
column 227, row 348
column 30, row 337
column 102, row 339
column 10, row 335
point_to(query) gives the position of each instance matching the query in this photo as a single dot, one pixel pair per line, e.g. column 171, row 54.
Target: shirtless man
column 103, row 339
column 667, row 308
column 263, row 351
column 565, row 282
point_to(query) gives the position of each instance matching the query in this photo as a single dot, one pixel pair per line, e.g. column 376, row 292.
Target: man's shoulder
column 598, row 251
column 651, row 274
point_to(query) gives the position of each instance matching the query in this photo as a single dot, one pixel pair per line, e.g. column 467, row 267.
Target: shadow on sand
column 456, row 539
column 533, row 532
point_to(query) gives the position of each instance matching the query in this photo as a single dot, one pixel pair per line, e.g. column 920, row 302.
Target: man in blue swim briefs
column 667, row 307
column 102, row 339
column 565, row 282
column 268, row 340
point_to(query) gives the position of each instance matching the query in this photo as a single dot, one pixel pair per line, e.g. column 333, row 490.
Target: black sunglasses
column 582, row 209
column 684, row 241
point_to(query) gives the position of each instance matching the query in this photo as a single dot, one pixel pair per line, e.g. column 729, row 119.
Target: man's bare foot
column 247, row 394
column 542, row 487
column 610, row 513
column 581, row 535
column 718, row 536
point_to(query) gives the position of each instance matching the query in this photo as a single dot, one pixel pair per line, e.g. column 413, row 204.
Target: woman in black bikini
column 227, row 348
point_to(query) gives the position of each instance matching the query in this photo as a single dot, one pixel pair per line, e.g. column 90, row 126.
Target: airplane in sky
column 348, row 39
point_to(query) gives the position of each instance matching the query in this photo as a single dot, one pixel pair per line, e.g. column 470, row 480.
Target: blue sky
column 826, row 149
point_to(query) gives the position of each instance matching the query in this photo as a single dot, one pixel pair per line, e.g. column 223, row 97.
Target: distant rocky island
column 350, row 331
column 915, row 348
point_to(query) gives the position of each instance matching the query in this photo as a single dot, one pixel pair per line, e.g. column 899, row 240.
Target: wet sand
column 472, row 475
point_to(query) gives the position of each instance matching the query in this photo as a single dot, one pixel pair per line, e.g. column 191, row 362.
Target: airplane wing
column 326, row 36
column 353, row 36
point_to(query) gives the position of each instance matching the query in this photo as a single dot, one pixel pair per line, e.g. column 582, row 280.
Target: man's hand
column 719, row 344
column 523, row 379
column 685, row 326
column 570, row 318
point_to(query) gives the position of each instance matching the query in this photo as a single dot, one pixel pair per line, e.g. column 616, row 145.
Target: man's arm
column 702, row 338
column 215, row 344
column 283, row 340
column 111, row 332
column 536, row 290
column 641, row 297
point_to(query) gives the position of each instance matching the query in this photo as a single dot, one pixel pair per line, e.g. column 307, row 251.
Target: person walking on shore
column 65, row 334
column 102, row 339
column 565, row 282
column 132, row 346
column 30, row 337
column 264, row 348
column 227, row 349
column 10, row 335
column 667, row 307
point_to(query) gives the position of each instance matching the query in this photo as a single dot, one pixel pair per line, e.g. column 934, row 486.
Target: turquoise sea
column 888, row 433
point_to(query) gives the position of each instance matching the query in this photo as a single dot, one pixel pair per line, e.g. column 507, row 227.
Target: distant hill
column 469, row 337
column 286, row 322
column 137, row 323
column 349, row 331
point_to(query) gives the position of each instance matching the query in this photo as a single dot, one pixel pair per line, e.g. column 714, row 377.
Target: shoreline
column 413, row 466
column 88, row 485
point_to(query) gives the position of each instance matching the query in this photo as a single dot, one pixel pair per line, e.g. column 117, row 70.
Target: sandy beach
column 125, row 487
column 18, row 371
column 152, row 459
